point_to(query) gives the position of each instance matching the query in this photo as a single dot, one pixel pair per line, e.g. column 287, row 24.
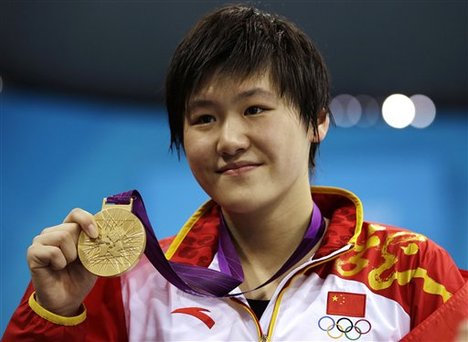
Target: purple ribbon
column 202, row 281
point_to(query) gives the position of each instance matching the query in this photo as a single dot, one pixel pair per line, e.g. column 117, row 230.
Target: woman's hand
column 60, row 280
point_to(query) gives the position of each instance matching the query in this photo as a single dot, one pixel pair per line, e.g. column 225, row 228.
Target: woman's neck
column 267, row 237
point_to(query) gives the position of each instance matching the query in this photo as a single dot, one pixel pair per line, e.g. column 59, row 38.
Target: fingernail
column 93, row 233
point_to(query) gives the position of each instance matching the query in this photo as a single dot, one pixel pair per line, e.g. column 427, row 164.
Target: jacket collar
column 197, row 241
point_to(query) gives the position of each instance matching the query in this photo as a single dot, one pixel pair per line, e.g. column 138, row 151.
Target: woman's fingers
column 64, row 237
column 40, row 256
column 85, row 220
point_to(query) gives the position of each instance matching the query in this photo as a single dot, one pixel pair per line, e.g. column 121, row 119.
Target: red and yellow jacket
column 366, row 282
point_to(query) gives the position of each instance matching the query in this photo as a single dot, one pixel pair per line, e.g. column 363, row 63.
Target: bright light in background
column 370, row 110
column 346, row 110
column 425, row 111
column 398, row 111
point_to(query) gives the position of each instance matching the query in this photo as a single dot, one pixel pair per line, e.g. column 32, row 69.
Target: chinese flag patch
column 346, row 304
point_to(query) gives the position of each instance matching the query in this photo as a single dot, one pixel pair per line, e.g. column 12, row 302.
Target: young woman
column 247, row 99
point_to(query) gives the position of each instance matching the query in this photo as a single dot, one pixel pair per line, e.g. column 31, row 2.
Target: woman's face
column 246, row 146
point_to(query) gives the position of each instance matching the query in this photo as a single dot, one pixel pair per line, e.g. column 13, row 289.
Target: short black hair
column 242, row 41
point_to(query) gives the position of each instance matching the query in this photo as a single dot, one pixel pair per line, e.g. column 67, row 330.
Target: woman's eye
column 204, row 119
column 254, row 110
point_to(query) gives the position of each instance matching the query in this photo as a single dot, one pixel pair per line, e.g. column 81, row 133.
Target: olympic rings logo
column 344, row 326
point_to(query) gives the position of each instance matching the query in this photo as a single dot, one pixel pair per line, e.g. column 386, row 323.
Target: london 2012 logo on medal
column 119, row 246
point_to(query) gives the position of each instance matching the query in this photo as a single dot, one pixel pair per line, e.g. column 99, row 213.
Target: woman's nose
column 233, row 137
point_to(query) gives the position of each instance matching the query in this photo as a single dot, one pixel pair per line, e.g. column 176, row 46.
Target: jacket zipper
column 281, row 292
column 262, row 337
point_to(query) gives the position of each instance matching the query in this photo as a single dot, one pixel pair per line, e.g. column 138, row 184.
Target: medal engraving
column 119, row 246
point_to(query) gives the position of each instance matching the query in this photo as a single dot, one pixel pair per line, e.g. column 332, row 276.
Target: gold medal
column 119, row 245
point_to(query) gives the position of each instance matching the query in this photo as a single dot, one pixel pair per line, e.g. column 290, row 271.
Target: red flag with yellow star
column 346, row 304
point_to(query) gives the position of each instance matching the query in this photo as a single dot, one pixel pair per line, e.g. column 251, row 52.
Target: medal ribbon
column 203, row 281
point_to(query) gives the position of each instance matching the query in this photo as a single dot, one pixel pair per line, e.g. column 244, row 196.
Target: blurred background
column 82, row 116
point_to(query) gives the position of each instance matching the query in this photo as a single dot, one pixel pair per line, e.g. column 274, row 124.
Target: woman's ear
column 323, row 120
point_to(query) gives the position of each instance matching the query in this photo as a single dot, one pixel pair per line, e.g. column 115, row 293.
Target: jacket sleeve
column 444, row 323
column 435, row 280
column 102, row 319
